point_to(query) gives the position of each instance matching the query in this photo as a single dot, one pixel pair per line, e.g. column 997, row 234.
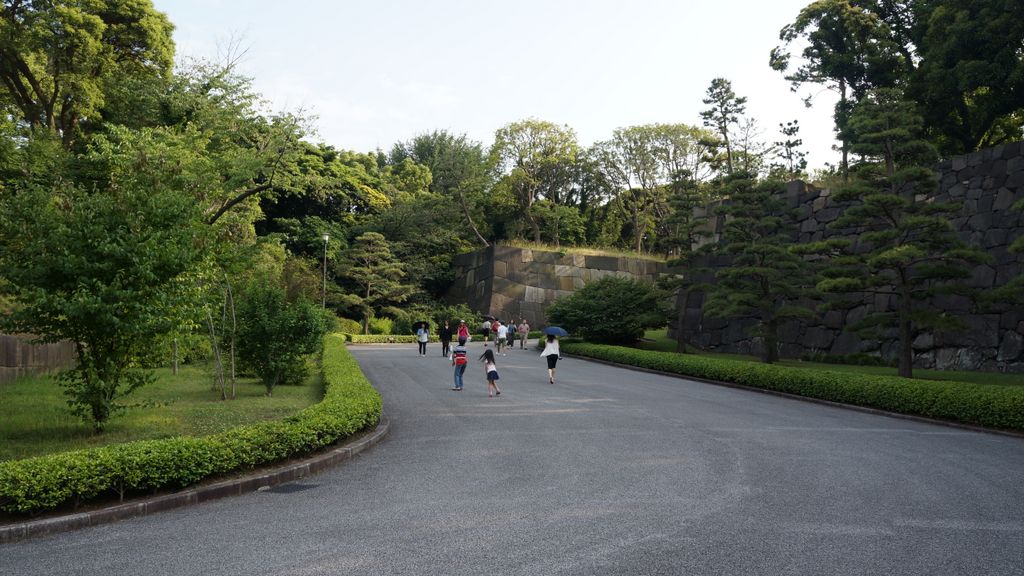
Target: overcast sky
column 380, row 71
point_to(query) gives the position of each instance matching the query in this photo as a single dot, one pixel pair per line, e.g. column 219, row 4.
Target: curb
column 865, row 409
column 192, row 496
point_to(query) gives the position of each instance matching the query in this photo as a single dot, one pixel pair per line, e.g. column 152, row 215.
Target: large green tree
column 112, row 269
column 847, row 48
column 907, row 252
column 969, row 78
column 536, row 159
column 59, row 58
column 459, row 167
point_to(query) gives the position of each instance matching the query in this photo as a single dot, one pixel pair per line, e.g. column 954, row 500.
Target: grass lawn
column 34, row 417
column 659, row 341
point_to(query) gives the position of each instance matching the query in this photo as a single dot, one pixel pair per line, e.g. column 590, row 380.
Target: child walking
column 491, row 369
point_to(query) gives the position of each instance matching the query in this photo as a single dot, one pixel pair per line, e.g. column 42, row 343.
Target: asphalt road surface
column 608, row 471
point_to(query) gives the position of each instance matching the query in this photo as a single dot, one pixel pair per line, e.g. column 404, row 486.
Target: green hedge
column 349, row 405
column 983, row 405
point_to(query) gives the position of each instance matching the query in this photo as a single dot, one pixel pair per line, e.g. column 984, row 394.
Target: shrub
column 43, row 483
column 349, row 326
column 381, row 325
column 984, row 405
column 274, row 335
column 610, row 310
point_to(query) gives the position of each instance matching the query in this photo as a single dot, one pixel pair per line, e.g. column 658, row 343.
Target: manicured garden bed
column 44, row 483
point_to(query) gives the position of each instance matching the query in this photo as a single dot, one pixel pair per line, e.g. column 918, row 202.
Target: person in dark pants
column 422, row 337
column 553, row 354
column 444, row 334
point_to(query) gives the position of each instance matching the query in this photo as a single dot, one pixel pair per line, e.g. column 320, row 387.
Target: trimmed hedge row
column 991, row 405
column 408, row 338
column 349, row 405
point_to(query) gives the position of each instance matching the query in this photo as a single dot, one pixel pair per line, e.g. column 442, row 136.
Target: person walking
column 445, row 335
column 463, row 332
column 524, row 332
column 500, row 336
column 511, row 332
column 459, row 360
column 491, row 370
column 485, row 330
column 422, row 336
column 553, row 355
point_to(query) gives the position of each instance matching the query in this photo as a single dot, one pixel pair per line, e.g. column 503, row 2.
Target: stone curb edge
column 866, row 409
column 191, row 496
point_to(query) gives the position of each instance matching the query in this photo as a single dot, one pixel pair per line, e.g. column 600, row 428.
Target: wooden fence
column 19, row 357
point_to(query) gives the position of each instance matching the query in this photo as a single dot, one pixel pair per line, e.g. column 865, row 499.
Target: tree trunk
column 906, row 369
column 469, row 219
column 683, row 296
column 771, row 342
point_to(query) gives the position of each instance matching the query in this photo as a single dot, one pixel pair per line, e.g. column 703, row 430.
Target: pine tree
column 765, row 278
column 907, row 249
column 726, row 109
column 377, row 273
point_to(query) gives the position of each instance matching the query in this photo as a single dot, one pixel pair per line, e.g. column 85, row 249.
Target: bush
column 983, row 405
column 381, row 325
column 611, row 310
column 274, row 335
column 350, row 404
column 349, row 326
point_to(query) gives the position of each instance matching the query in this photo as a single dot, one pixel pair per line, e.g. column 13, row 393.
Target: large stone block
column 603, row 262
column 818, row 338
column 500, row 268
column 1004, row 199
column 534, row 294
column 1011, row 347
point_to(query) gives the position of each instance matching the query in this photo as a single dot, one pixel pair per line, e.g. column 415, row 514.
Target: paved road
column 607, row 472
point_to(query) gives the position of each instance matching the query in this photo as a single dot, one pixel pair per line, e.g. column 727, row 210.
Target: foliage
column 350, row 404
column 726, row 110
column 274, row 335
column 791, row 162
column 907, row 250
column 60, row 58
column 377, row 275
column 988, row 405
column 765, row 279
column 112, row 271
column 611, row 309
column 459, row 168
column 958, row 60
column 536, row 158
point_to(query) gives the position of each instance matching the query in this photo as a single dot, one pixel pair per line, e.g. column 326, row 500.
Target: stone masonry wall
column 508, row 282
column 987, row 183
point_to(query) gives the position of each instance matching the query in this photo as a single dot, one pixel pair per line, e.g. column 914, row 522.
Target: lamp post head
column 327, row 237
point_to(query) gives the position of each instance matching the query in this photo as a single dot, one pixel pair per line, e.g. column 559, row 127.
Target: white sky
column 379, row 71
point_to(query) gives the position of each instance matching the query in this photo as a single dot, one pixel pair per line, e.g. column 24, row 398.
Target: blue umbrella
column 555, row 330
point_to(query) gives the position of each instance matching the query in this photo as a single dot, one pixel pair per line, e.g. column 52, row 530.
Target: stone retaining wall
column 513, row 283
column 987, row 183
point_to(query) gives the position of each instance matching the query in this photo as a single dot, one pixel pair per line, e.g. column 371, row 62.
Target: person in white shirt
column 553, row 355
column 501, row 338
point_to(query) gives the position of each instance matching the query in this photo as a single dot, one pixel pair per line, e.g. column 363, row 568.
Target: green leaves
column 275, row 335
column 611, row 309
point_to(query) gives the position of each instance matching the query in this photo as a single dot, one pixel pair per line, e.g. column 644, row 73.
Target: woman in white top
column 553, row 354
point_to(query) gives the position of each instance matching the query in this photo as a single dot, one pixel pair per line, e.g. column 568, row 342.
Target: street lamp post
column 323, row 302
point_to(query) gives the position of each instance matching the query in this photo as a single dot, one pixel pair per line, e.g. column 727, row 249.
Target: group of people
column 503, row 335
